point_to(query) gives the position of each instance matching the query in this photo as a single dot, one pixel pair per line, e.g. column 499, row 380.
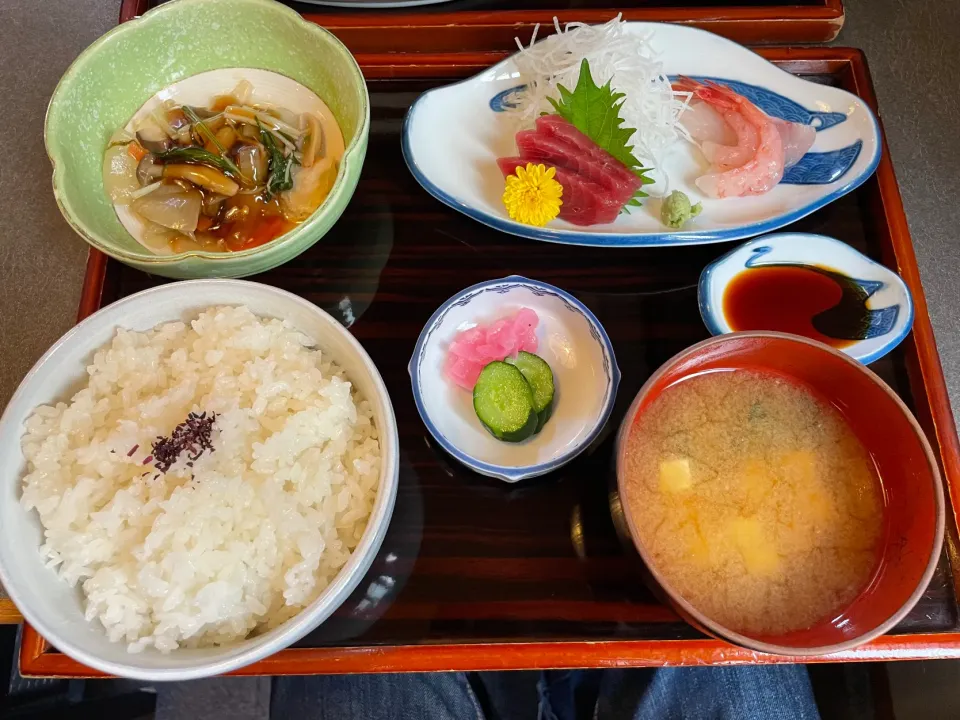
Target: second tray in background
column 492, row 25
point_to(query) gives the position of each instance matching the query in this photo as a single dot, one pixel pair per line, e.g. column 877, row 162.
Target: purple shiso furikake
column 191, row 436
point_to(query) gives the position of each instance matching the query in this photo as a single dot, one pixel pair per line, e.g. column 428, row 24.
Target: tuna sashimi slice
column 555, row 126
column 535, row 146
column 584, row 202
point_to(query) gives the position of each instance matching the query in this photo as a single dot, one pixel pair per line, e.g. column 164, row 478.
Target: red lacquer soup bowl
column 912, row 491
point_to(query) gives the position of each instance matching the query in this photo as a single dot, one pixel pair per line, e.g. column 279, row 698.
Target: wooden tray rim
column 780, row 23
column 38, row 658
column 786, row 11
column 829, row 10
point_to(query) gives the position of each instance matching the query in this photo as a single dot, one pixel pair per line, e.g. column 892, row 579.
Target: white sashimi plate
column 453, row 136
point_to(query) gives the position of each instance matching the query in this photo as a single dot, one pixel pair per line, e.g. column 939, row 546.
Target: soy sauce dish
column 809, row 285
column 514, row 377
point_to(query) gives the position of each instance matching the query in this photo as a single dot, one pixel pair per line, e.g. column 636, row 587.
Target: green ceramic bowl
column 109, row 82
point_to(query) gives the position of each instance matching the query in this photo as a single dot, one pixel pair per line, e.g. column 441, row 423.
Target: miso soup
column 755, row 500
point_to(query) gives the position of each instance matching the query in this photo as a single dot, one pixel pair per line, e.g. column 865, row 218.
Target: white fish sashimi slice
column 797, row 140
column 704, row 124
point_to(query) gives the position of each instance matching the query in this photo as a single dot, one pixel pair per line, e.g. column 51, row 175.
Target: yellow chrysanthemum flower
column 532, row 195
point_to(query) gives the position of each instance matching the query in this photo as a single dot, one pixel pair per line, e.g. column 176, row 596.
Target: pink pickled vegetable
column 474, row 349
column 462, row 371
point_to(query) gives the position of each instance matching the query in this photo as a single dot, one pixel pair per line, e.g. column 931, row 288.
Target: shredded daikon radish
column 628, row 60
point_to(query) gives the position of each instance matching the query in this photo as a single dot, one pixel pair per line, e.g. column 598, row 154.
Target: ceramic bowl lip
column 664, row 239
column 713, row 316
column 353, row 152
column 332, row 597
column 715, row 627
column 520, row 472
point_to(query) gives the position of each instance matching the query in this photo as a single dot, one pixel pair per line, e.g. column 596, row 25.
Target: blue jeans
column 778, row 692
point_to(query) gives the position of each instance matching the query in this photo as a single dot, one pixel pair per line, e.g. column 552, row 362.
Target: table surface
column 42, row 261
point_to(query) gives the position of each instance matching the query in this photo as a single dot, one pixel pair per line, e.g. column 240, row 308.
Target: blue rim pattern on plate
column 709, row 314
column 501, row 286
column 775, row 104
column 567, row 237
column 822, row 168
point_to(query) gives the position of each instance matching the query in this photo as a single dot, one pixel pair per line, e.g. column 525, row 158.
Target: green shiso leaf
column 595, row 111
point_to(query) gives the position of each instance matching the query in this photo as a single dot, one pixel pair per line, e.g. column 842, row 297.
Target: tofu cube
column 675, row 476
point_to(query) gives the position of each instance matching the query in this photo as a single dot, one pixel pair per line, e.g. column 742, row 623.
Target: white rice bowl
column 238, row 539
column 212, row 557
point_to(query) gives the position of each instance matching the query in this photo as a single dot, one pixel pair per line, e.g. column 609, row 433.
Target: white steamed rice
column 247, row 536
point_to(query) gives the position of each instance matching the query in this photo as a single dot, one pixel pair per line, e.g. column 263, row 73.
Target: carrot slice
column 136, row 151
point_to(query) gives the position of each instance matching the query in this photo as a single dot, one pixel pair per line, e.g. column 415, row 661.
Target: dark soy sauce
column 802, row 299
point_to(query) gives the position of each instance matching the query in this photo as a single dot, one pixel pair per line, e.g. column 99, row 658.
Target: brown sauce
column 240, row 222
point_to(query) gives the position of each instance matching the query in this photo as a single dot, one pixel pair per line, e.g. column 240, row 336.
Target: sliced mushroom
column 206, row 177
column 153, row 139
column 236, row 213
column 148, row 171
column 177, row 119
column 211, row 204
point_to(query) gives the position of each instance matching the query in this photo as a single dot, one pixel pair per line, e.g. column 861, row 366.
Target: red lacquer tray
column 477, row 574
column 491, row 25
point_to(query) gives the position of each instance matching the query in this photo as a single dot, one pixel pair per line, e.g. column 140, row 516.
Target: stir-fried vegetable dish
column 227, row 177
